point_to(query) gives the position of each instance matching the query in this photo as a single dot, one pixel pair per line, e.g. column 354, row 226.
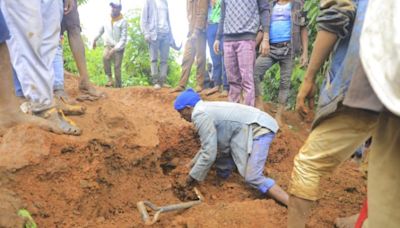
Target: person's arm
column 328, row 34
column 144, row 21
column 205, row 158
column 265, row 17
column 220, row 30
column 123, row 38
column 101, row 32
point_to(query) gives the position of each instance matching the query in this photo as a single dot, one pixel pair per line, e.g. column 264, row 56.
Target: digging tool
column 141, row 205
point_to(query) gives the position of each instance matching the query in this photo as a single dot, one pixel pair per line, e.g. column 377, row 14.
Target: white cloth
column 115, row 34
column 380, row 51
column 35, row 33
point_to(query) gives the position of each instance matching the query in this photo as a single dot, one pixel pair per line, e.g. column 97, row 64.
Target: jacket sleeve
column 201, row 15
column 144, row 19
column 336, row 16
column 205, row 158
column 265, row 14
column 220, row 30
column 124, row 36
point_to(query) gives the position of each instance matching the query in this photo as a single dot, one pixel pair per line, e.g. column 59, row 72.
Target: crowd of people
column 358, row 99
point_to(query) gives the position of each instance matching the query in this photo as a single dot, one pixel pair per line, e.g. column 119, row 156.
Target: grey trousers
column 35, row 29
column 286, row 66
column 117, row 59
column 159, row 47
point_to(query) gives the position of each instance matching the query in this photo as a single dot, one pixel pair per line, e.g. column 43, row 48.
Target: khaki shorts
column 329, row 144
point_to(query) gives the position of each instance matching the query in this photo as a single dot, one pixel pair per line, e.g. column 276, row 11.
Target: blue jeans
column 219, row 74
column 159, row 47
column 255, row 164
column 58, row 65
column 4, row 33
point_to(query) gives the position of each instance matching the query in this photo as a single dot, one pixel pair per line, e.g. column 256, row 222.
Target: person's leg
column 187, row 62
column 33, row 47
column 255, row 169
column 262, row 65
column 232, row 71
column 58, row 65
column 329, row 144
column 164, row 54
column 286, row 66
column 107, row 66
column 154, row 46
column 118, row 56
column 201, row 45
column 383, row 173
column 17, row 85
column 71, row 23
column 246, row 59
column 216, row 59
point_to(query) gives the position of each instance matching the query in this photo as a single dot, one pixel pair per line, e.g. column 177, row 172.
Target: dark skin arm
column 324, row 44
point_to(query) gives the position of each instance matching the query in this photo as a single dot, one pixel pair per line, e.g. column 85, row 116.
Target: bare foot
column 12, row 118
column 347, row 222
column 212, row 91
column 89, row 89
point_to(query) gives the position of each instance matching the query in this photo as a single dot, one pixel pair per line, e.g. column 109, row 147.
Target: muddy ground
column 135, row 147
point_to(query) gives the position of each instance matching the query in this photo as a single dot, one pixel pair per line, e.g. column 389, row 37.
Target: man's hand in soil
column 306, row 93
column 190, row 182
column 68, row 5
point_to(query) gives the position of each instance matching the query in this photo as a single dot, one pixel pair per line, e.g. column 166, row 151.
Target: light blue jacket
column 149, row 21
column 225, row 127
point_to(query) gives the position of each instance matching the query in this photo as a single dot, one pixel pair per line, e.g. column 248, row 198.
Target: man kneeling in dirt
column 240, row 134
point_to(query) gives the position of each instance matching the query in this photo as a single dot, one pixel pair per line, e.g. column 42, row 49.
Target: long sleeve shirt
column 240, row 20
column 115, row 33
column 226, row 127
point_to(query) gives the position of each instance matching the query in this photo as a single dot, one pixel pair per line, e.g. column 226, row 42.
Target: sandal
column 91, row 91
column 69, row 109
column 66, row 125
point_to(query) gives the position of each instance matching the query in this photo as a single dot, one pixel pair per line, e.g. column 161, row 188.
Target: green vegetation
column 136, row 64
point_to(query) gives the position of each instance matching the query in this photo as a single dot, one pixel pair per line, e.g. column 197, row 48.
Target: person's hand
column 190, row 182
column 147, row 38
column 94, row 44
column 264, row 47
column 195, row 34
column 306, row 93
column 110, row 53
column 304, row 60
column 216, row 47
column 68, row 6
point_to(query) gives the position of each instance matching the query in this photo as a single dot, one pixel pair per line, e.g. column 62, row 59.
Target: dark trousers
column 116, row 58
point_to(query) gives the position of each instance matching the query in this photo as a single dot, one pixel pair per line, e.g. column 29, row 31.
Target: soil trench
column 135, row 147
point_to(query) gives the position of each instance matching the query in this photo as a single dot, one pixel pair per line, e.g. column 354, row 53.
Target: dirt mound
column 135, row 147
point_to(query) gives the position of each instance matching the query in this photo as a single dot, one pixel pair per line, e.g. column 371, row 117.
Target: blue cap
column 116, row 5
column 186, row 98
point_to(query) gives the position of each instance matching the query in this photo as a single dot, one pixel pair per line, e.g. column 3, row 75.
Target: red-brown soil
column 135, row 147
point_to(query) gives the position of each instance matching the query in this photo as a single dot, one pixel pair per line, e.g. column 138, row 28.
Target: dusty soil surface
column 135, row 147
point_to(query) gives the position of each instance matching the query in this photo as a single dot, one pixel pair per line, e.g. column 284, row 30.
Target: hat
column 116, row 4
column 186, row 98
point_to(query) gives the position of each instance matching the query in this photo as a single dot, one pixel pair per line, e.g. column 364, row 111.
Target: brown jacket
column 197, row 15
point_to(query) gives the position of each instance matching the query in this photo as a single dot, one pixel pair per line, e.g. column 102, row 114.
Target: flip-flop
column 56, row 116
column 69, row 109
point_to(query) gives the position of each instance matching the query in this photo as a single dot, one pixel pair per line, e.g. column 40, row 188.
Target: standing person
column 35, row 33
column 288, row 37
column 156, row 27
column 348, row 108
column 195, row 47
column 219, row 73
column 231, row 135
column 10, row 113
column 239, row 26
column 116, row 33
column 71, row 23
